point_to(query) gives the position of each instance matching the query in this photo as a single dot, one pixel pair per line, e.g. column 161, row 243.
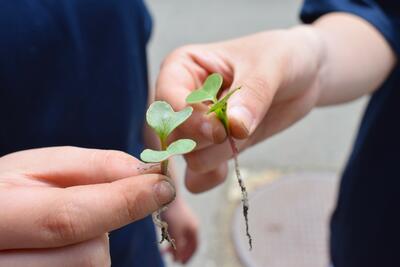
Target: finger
column 190, row 247
column 188, row 252
column 53, row 217
column 91, row 253
column 248, row 106
column 182, row 72
column 75, row 166
column 179, row 250
column 199, row 182
column 213, row 129
column 205, row 160
column 197, row 126
column 185, row 70
column 179, row 75
column 202, row 128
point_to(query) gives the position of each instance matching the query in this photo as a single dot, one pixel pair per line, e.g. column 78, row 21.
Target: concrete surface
column 321, row 142
column 289, row 219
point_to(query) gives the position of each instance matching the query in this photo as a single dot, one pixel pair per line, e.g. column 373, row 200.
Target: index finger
column 181, row 73
column 69, row 166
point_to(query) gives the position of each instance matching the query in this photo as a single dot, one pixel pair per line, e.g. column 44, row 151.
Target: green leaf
column 209, row 90
column 150, row 155
column 178, row 147
column 181, row 146
column 220, row 107
column 163, row 119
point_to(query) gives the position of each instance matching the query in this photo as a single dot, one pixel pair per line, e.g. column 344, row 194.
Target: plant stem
column 245, row 200
column 164, row 167
column 157, row 215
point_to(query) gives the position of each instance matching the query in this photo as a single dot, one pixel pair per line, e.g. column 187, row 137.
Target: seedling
column 164, row 120
column 209, row 93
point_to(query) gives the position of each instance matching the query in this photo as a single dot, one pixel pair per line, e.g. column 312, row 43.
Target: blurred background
column 292, row 178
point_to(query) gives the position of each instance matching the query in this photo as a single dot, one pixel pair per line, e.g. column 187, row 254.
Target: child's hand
column 183, row 227
column 284, row 74
column 262, row 64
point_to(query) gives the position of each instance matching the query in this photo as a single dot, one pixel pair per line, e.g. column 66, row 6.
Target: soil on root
column 245, row 200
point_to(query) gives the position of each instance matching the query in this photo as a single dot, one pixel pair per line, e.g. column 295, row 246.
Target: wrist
column 305, row 63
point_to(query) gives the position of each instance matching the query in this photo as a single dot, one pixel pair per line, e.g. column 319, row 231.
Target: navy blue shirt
column 365, row 227
column 73, row 72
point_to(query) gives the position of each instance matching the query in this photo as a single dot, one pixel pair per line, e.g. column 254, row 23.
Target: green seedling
column 164, row 120
column 179, row 147
column 208, row 93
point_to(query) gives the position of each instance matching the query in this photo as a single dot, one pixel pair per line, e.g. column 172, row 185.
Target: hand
column 57, row 204
column 278, row 74
column 183, row 227
column 283, row 75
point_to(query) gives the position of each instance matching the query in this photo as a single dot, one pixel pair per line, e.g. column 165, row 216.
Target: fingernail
column 207, row 131
column 164, row 192
column 243, row 116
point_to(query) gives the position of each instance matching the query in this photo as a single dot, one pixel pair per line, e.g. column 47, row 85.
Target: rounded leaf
column 209, row 90
column 163, row 119
column 153, row 156
column 178, row 147
column 181, row 146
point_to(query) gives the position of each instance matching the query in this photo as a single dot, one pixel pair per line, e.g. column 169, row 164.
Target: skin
column 183, row 227
column 284, row 75
column 58, row 204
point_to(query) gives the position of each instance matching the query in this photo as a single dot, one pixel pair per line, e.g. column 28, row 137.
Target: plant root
column 245, row 200
column 164, row 227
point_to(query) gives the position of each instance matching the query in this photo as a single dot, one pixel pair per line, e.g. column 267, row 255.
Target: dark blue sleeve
column 384, row 15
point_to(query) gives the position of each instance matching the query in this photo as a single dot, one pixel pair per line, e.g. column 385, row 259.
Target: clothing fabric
column 74, row 72
column 365, row 227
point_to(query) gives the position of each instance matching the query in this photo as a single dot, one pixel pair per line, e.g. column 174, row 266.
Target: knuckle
column 178, row 53
column 183, row 50
column 171, row 57
column 61, row 226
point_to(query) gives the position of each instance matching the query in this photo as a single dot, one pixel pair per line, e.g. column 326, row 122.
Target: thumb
column 248, row 106
column 54, row 217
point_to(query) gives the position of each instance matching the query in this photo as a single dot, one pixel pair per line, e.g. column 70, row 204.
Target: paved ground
column 321, row 142
column 288, row 222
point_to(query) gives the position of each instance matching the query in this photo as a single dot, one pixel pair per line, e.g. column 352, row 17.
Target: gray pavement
column 321, row 142
column 289, row 219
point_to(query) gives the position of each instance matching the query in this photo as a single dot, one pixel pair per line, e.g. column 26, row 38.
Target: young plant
column 164, row 120
column 209, row 93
